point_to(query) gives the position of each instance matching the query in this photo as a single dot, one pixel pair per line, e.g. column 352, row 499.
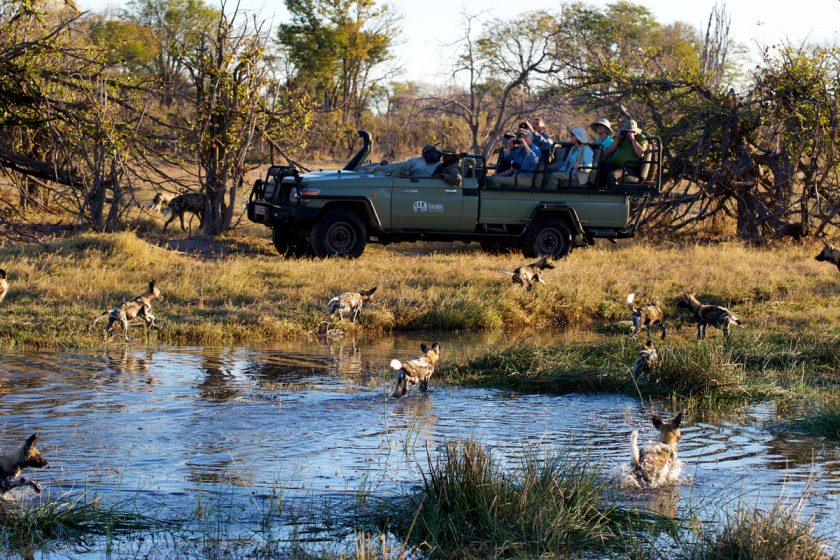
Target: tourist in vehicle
column 524, row 158
column 574, row 170
column 625, row 154
column 603, row 133
column 422, row 166
column 542, row 139
column 449, row 168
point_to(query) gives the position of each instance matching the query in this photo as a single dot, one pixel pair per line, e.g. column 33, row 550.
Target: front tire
column 339, row 233
column 547, row 237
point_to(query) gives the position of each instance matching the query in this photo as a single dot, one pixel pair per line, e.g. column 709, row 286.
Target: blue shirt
column 527, row 160
column 571, row 159
column 605, row 143
column 543, row 141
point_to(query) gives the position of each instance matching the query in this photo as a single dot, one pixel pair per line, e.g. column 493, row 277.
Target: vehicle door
column 423, row 203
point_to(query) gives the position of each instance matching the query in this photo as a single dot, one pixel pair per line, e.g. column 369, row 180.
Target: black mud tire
column 339, row 233
column 549, row 236
column 496, row 247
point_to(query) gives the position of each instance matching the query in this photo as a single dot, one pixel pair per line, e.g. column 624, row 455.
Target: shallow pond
column 181, row 431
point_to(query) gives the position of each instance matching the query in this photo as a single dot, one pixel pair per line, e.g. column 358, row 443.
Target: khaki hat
column 629, row 125
column 604, row 122
column 580, row 134
column 430, row 148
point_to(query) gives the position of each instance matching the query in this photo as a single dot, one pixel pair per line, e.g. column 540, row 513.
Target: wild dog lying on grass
column 529, row 275
column 160, row 201
column 4, row 285
column 11, row 465
column 645, row 316
column 349, row 302
column 829, row 254
column 658, row 463
column 141, row 306
column 705, row 315
column 646, row 360
column 416, row 371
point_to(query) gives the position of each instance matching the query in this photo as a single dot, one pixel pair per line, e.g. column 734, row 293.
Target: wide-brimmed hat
column 448, row 151
column 580, row 134
column 430, row 148
column 524, row 132
column 604, row 122
column 629, row 125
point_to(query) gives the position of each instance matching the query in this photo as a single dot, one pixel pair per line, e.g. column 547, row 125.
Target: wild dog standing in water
column 646, row 360
column 419, row 370
column 529, row 275
column 704, row 315
column 11, row 465
column 4, row 285
column 349, row 302
column 141, row 306
column 829, row 254
column 658, row 463
column 645, row 316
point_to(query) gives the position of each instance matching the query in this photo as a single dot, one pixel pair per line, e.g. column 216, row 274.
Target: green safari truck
column 337, row 213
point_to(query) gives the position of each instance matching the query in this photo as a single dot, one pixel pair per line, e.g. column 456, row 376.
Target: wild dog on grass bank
column 647, row 316
column 349, row 302
column 646, row 360
column 141, row 306
column 4, row 285
column 704, row 315
column 829, row 254
column 530, row 275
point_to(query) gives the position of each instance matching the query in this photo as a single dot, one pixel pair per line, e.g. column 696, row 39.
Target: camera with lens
column 518, row 142
column 508, row 135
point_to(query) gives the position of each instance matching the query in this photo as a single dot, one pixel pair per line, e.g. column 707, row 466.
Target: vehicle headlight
column 294, row 195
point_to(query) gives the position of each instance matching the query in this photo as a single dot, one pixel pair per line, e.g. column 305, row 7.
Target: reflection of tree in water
column 287, row 371
column 219, row 383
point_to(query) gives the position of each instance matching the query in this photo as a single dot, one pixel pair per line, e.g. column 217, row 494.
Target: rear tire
column 547, row 236
column 339, row 233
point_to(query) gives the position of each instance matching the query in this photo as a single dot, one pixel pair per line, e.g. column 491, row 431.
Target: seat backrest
column 468, row 168
column 561, row 150
column 646, row 168
column 597, row 151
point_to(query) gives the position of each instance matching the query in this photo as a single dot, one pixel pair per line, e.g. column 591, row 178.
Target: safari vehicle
column 336, row 213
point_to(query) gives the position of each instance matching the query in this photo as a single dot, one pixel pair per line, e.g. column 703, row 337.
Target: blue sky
column 429, row 25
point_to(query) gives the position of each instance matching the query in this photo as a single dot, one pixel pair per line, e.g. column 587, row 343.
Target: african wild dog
column 4, row 285
column 646, row 360
column 187, row 202
column 141, row 306
column 529, row 275
column 658, row 463
column 829, row 254
column 416, row 371
column 160, row 201
column 349, row 302
column 11, row 465
column 645, row 316
column 705, row 315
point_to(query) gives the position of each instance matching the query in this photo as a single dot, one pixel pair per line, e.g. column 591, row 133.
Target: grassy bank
column 250, row 296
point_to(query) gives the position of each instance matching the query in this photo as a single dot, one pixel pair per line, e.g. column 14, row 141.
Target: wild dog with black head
column 658, row 463
column 4, row 285
column 186, row 202
column 349, row 302
column 645, row 316
column 704, row 315
column 647, row 360
column 11, row 465
column 529, row 275
column 416, row 371
column 160, row 201
column 141, row 306
column 829, row 254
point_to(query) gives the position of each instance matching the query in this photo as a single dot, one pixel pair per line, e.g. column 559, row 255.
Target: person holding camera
column 450, row 168
column 542, row 139
column 574, row 170
column 523, row 156
column 624, row 155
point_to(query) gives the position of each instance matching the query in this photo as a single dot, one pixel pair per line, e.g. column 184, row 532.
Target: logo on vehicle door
column 423, row 207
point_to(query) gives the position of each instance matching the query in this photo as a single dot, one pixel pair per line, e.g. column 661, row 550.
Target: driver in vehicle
column 423, row 166
column 450, row 168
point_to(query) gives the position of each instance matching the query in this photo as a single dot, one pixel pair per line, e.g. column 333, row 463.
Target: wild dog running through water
column 657, row 464
column 704, row 315
column 829, row 254
column 647, row 316
column 13, row 463
column 141, row 306
column 416, row 371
